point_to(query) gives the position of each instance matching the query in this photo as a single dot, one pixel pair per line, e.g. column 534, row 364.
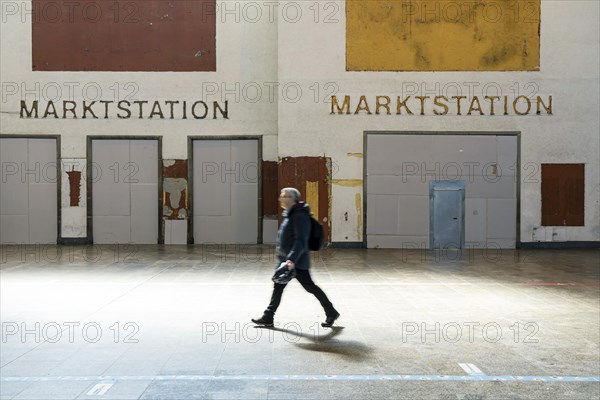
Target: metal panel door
column 399, row 168
column 447, row 204
column 124, row 191
column 225, row 185
column 28, row 191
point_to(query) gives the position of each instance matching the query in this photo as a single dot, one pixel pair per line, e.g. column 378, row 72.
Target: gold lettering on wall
column 439, row 105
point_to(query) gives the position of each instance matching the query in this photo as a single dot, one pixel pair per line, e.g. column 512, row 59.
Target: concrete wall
column 299, row 48
column 314, row 56
column 245, row 77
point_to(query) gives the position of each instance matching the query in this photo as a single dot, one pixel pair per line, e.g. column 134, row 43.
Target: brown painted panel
column 270, row 188
column 74, row 187
column 302, row 173
column 175, row 189
column 175, row 169
column 563, row 194
column 124, row 35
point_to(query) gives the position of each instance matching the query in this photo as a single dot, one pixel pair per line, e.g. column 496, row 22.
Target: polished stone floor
column 173, row 322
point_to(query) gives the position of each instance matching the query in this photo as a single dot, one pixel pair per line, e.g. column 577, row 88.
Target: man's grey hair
column 293, row 192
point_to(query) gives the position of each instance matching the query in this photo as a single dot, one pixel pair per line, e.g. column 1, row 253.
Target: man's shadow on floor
column 351, row 349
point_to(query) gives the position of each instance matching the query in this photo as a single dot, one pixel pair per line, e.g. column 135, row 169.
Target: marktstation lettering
column 169, row 109
column 442, row 105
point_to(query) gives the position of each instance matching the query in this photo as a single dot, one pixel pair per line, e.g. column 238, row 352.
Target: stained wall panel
column 124, row 35
column 442, row 35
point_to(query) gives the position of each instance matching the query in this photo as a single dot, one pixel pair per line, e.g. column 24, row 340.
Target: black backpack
column 315, row 240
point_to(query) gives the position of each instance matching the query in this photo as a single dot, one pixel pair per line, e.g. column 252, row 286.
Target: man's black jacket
column 292, row 238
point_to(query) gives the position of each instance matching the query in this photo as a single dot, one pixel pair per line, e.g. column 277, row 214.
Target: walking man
column 292, row 248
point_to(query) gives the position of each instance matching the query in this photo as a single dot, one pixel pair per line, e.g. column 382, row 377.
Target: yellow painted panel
column 347, row 182
column 312, row 197
column 357, row 155
column 442, row 35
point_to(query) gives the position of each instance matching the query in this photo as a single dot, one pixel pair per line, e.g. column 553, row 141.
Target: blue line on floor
column 483, row 378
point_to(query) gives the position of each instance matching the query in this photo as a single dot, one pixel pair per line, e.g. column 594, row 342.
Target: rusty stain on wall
column 74, row 187
column 175, row 189
column 124, row 35
column 442, row 35
column 347, row 182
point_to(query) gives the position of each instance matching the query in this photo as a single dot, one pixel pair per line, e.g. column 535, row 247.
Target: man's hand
column 290, row 264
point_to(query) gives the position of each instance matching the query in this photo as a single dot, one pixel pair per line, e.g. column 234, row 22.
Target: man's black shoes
column 263, row 321
column 269, row 322
column 330, row 320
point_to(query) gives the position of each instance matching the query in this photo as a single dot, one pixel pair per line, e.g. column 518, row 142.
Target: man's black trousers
column 303, row 276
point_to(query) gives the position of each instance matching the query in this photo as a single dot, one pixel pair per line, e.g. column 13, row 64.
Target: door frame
column 58, row 176
column 517, row 134
column 88, row 178
column 191, row 139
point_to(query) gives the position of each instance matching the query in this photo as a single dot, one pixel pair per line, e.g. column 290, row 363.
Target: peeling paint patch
column 175, row 204
column 175, row 189
column 312, row 197
column 347, row 182
column 357, row 155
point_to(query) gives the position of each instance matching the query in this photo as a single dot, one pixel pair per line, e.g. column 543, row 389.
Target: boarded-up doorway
column 29, row 195
column 225, row 191
column 124, row 176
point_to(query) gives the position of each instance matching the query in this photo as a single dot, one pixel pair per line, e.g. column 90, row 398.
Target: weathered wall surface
column 315, row 59
column 277, row 66
column 124, row 35
column 142, row 68
column 242, row 75
column 442, row 35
